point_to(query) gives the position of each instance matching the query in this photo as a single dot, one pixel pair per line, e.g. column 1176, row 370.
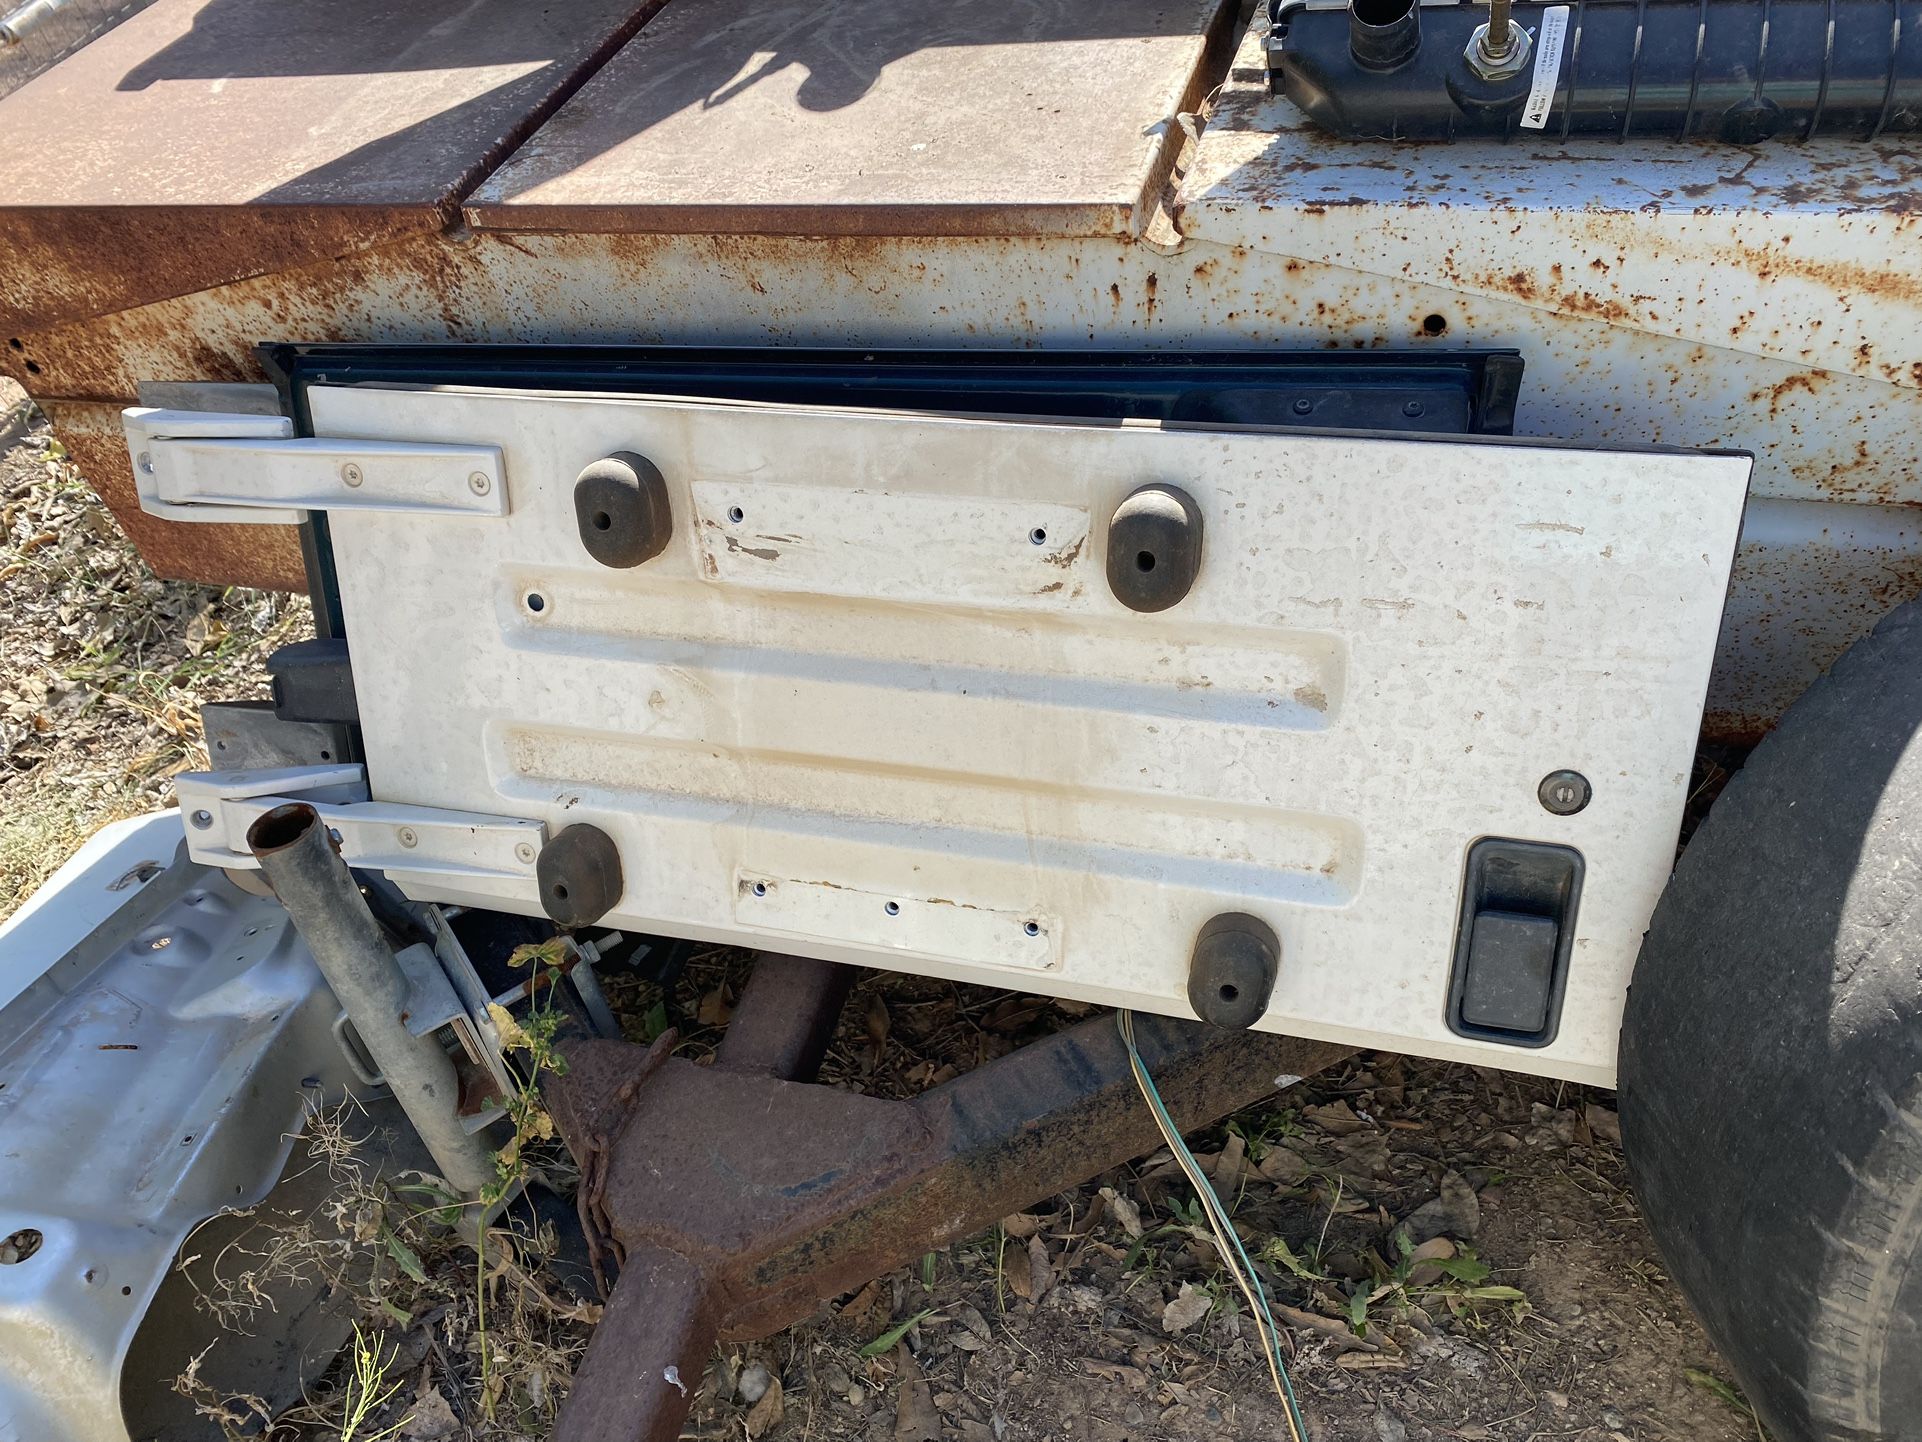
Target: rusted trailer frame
column 739, row 1196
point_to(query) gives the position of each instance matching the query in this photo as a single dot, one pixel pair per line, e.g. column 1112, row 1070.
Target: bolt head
column 1490, row 66
column 524, row 853
column 479, row 484
column 352, row 474
column 1563, row 793
column 408, row 837
column 202, row 820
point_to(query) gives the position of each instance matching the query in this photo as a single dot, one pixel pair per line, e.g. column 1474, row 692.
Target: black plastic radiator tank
column 1741, row 71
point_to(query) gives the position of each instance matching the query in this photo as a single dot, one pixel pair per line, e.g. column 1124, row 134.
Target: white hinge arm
column 217, row 807
column 215, row 466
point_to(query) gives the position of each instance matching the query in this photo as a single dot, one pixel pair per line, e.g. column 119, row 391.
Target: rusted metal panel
column 1809, row 578
column 1290, row 240
column 872, row 117
column 737, row 1202
column 216, row 555
column 1817, row 436
column 207, row 140
column 1794, row 252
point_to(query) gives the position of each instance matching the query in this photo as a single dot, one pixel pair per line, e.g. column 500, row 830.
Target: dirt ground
column 1535, row 1307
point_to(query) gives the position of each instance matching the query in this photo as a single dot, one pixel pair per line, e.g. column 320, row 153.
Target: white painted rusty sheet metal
column 1595, row 375
column 856, row 681
column 1805, row 253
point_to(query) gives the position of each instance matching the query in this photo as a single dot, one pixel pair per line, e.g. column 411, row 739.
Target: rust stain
column 1067, row 558
column 1808, row 382
column 760, row 553
column 1313, row 697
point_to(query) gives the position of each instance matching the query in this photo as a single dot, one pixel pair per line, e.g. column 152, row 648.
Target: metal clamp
column 229, row 467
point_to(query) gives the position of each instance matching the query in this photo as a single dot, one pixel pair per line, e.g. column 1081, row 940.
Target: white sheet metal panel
column 855, row 710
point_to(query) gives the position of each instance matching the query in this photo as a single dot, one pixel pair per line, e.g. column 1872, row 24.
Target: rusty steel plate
column 871, row 117
column 206, row 140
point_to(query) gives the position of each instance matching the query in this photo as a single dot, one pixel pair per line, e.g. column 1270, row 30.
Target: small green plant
column 369, row 1389
column 533, row 1039
column 885, row 1342
column 1263, row 1131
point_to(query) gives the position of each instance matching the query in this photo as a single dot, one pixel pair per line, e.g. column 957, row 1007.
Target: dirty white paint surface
column 875, row 690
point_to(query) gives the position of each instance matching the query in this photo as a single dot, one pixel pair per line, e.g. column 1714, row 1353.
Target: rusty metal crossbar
column 739, row 1196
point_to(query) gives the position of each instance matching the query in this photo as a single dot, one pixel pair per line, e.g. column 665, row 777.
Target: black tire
column 1771, row 1059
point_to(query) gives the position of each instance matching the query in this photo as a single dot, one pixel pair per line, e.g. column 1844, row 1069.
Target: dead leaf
column 431, row 1420
column 867, row 1310
column 1339, row 1333
column 715, row 1008
column 510, row 1030
column 1021, row 1224
column 1456, row 1212
column 1040, row 1270
column 200, row 630
column 1604, row 1123
column 1186, row 1309
column 1125, row 1211
column 971, row 1318
column 1131, row 1377
column 1283, row 1165
column 1338, row 1119
column 1231, row 1164
column 915, row 1419
column 1424, row 1270
column 765, row 1414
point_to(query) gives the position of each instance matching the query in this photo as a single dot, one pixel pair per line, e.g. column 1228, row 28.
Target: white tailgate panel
column 874, row 719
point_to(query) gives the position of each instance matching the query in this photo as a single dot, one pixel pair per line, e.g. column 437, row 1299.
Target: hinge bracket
column 230, row 467
column 217, row 807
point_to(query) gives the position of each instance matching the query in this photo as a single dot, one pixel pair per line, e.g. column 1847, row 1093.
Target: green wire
column 1124, row 1022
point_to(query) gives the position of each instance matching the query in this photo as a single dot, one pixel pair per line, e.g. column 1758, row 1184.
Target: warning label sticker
column 1548, row 67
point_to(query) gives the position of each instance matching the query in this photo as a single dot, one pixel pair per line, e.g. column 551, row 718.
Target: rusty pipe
column 299, row 860
column 786, row 1016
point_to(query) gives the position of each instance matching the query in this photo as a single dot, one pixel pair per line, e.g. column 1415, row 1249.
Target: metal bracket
column 229, row 467
column 217, row 807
